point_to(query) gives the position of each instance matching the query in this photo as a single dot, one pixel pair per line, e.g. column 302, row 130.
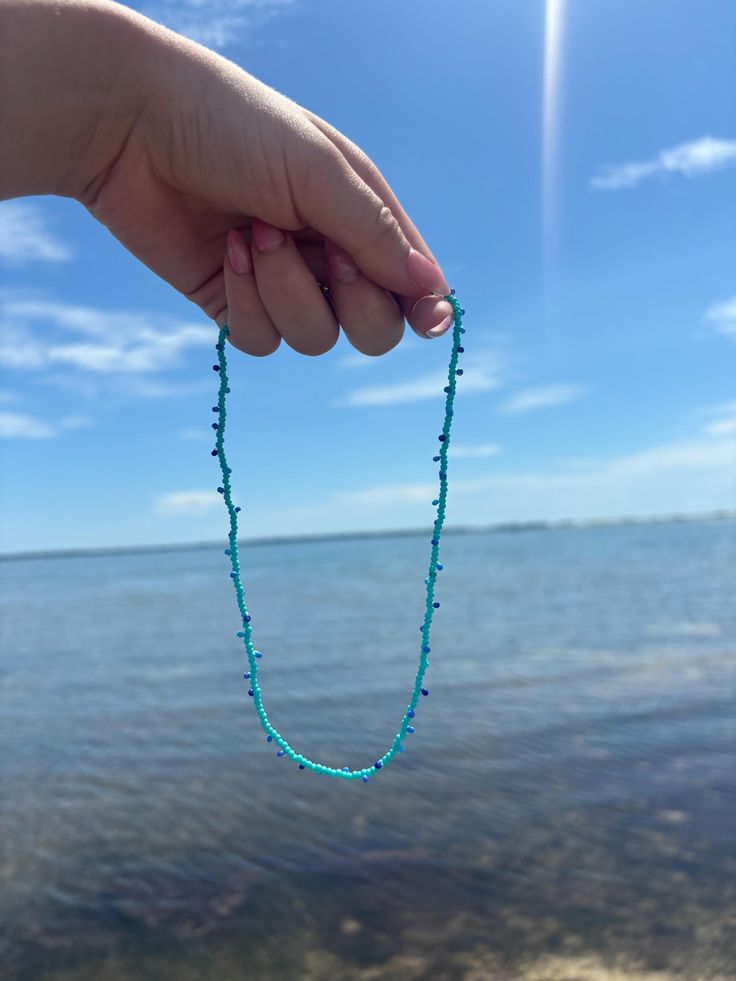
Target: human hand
column 244, row 201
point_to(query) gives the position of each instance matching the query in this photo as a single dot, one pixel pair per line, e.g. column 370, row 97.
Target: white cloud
column 723, row 317
column 540, row 398
column 197, row 435
column 481, row 373
column 35, row 334
column 722, row 427
column 17, row 425
column 215, row 23
column 25, row 237
column 689, row 159
column 189, row 503
column 474, row 452
column 689, row 475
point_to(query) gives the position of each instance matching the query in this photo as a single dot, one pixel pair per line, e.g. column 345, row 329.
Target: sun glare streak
column 553, row 30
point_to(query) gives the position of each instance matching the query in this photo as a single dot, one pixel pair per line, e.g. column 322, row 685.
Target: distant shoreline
column 510, row 526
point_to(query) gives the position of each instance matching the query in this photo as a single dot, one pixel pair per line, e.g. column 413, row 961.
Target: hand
column 244, row 201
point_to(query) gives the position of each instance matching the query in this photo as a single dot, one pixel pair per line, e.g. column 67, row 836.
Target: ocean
column 564, row 810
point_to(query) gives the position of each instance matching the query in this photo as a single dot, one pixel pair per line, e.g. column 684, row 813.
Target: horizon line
column 496, row 528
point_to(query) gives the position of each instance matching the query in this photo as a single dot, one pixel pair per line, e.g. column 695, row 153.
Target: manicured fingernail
column 341, row 266
column 238, row 253
column 425, row 273
column 266, row 237
column 440, row 329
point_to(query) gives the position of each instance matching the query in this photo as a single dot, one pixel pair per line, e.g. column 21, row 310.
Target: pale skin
column 241, row 199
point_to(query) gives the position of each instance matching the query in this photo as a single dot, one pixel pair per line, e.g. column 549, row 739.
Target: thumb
column 334, row 200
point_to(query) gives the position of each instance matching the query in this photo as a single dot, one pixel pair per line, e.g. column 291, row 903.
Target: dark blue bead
column 462, row 312
column 461, row 350
column 436, row 606
column 446, row 388
column 439, row 566
column 237, row 509
column 246, row 675
column 346, row 769
column 435, row 501
column 425, row 691
column 215, row 408
column 215, row 425
column 459, row 371
column 257, row 654
column 247, row 618
column 461, row 329
column 411, row 713
column 435, row 541
column 250, row 692
column 228, row 470
column 452, row 291
column 214, row 453
column 435, row 459
column 302, row 766
column 240, row 634
column 426, row 648
column 443, row 474
column 378, row 765
column 364, row 778
column 281, row 752
column 410, row 729
column 234, row 575
column 227, row 390
column 220, row 490
column 441, row 437
column 215, row 367
column 269, row 738
column 227, row 551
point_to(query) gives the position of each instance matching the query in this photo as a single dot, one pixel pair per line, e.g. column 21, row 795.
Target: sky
column 572, row 166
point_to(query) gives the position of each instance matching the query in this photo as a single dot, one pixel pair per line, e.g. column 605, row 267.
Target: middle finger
column 290, row 293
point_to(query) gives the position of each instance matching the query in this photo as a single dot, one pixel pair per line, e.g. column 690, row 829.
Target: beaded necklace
column 251, row 675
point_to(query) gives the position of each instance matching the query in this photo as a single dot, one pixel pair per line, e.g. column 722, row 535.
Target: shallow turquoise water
column 569, row 791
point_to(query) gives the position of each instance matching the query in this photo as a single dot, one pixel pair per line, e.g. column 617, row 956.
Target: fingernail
column 439, row 329
column 425, row 273
column 266, row 237
column 341, row 266
column 238, row 253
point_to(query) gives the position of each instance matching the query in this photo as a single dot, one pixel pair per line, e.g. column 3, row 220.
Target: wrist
column 70, row 92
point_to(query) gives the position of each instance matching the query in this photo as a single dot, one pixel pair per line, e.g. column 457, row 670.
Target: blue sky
column 595, row 254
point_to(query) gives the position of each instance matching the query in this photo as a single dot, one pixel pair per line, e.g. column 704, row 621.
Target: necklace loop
column 435, row 566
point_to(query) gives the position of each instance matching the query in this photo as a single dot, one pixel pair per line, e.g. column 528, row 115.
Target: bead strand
column 245, row 634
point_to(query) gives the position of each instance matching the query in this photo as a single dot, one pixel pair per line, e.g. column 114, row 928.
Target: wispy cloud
column 216, row 23
column 543, row 397
column 18, row 425
column 187, row 503
column 722, row 317
column 194, row 434
column 473, row 452
column 618, row 485
column 26, row 237
column 723, row 419
column 688, row 159
column 481, row 373
column 41, row 334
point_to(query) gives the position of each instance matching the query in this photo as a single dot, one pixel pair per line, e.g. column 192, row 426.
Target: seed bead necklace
column 254, row 656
